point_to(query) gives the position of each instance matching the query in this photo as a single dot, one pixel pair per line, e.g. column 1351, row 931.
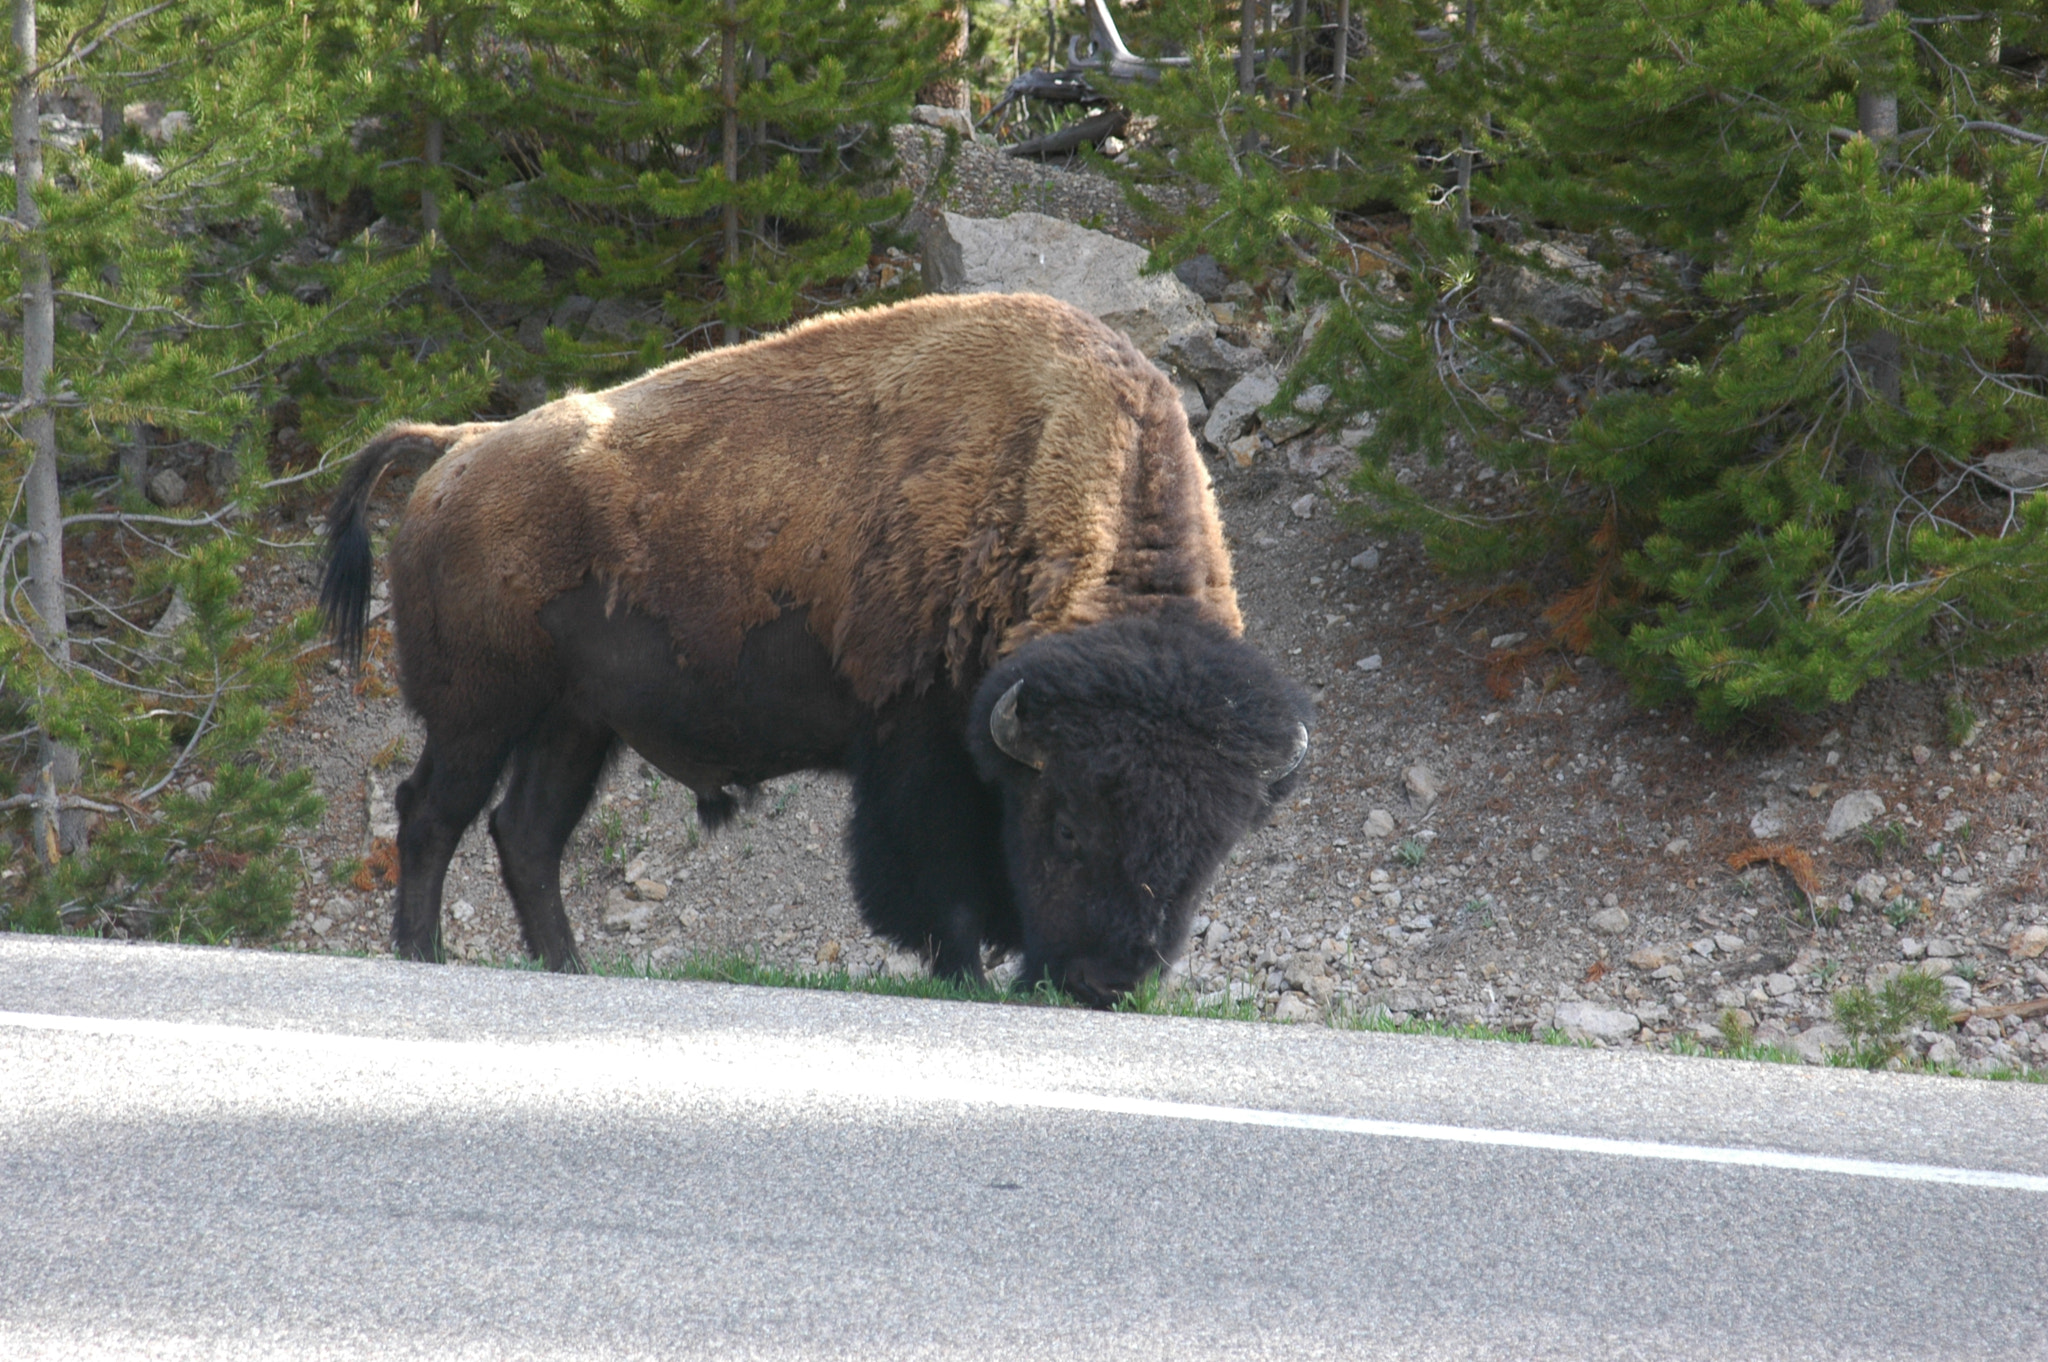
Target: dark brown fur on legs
column 436, row 805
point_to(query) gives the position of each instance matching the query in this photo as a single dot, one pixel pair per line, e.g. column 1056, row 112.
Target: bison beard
column 963, row 549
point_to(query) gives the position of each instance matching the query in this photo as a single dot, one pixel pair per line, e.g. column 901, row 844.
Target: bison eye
column 1063, row 834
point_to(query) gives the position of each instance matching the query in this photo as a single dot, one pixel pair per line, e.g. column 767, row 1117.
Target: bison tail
column 345, row 586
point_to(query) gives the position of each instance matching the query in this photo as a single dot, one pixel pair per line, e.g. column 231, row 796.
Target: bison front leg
column 925, row 843
column 555, row 770
column 436, row 804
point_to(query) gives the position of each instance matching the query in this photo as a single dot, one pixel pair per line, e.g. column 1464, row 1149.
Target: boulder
column 1231, row 416
column 1212, row 362
column 945, row 119
column 1570, row 303
column 1852, row 811
column 165, row 488
column 1032, row 253
column 1202, row 274
column 1590, row 1021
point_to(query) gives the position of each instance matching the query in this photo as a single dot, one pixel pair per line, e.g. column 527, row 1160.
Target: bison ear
column 1293, row 759
column 1008, row 733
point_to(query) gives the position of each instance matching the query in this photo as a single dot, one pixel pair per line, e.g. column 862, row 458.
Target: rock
column 1650, row 958
column 1366, row 561
column 903, row 965
column 1945, row 948
column 1911, row 947
column 828, row 953
column 1944, row 1051
column 1869, row 888
column 1231, row 415
column 462, row 910
column 648, row 891
column 1852, row 811
column 1369, row 663
column 1778, row 985
column 1815, row 1043
column 1610, row 921
column 622, row 916
column 1767, row 822
column 322, row 925
column 1033, row 253
column 614, row 318
column 1203, row 276
column 2028, row 944
column 1318, row 459
column 1590, row 1021
column 1311, row 400
column 1380, row 823
column 165, row 488
column 1727, row 942
column 1285, row 425
column 1423, row 788
column 571, row 313
column 1212, row 362
column 1571, row 304
column 1304, row 507
column 944, row 119
column 1955, row 897
column 1294, row 1008
column 1704, row 946
column 1677, row 847
column 1194, row 404
column 1669, row 972
column 2015, row 470
column 1244, row 452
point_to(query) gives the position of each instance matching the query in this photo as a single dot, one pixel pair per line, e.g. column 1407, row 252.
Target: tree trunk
column 729, row 95
column 1247, row 67
column 1343, row 59
column 111, row 122
column 1339, row 71
column 1878, row 357
column 438, row 274
column 57, row 765
column 1877, row 105
column 950, row 92
column 1465, row 151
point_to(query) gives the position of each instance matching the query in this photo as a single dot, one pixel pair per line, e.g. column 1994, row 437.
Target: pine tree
column 1830, row 474
column 686, row 167
column 169, row 320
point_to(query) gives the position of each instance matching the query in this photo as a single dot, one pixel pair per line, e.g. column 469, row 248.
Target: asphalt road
column 238, row 1154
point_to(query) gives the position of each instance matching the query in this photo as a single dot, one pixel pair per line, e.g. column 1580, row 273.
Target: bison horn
column 1009, row 734
column 1273, row 773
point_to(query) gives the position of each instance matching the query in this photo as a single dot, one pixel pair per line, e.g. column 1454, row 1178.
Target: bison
column 962, row 549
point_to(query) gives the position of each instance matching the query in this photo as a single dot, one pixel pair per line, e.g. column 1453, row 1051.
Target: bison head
column 1131, row 757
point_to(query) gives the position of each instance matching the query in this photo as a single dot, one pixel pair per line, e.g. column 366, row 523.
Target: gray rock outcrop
column 1032, row 253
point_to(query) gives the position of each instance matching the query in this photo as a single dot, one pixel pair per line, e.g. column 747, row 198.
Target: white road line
column 785, row 1070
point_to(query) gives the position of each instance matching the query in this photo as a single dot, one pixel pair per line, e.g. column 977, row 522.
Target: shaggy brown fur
column 936, row 483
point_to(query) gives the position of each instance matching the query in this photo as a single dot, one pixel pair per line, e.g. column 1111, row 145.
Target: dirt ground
column 1576, row 865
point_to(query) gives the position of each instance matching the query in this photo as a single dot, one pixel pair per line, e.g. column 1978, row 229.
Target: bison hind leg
column 555, row 770
column 436, row 804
